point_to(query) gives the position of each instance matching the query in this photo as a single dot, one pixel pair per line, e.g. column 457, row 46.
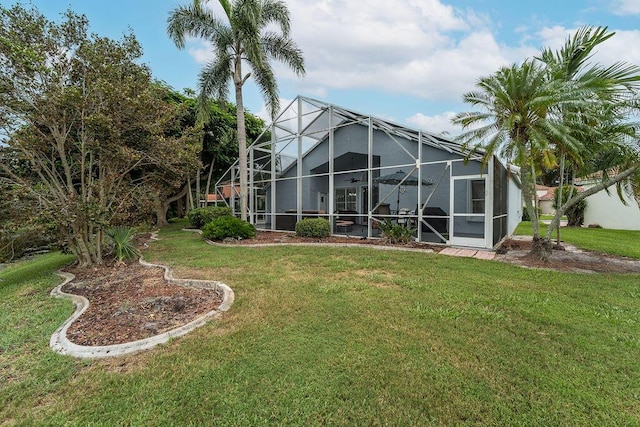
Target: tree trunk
column 198, row 195
column 242, row 142
column 161, row 211
column 541, row 248
column 180, row 207
column 190, row 198
column 207, row 189
column 593, row 190
column 528, row 194
column 559, row 196
column 162, row 206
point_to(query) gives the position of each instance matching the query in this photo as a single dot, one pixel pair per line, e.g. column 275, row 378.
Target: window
column 477, row 196
column 346, row 199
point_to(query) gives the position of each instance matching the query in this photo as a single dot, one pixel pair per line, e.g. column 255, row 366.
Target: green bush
column 228, row 226
column 123, row 244
column 313, row 227
column 575, row 214
column 395, row 233
column 526, row 216
column 200, row 216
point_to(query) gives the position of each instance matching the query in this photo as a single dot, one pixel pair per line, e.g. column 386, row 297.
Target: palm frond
column 276, row 12
column 226, row 5
column 569, row 60
column 213, row 82
column 193, row 20
column 285, row 50
column 268, row 85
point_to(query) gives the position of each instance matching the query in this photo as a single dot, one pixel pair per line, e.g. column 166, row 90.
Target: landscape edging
column 61, row 344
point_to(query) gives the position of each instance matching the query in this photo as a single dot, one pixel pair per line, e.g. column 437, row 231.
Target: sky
column 408, row 61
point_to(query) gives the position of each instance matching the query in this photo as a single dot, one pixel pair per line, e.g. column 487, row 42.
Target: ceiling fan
column 352, row 179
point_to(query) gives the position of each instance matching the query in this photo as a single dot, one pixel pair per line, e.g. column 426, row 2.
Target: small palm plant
column 123, row 245
column 396, row 233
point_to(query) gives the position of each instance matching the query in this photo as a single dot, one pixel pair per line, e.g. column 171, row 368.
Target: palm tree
column 515, row 121
column 246, row 38
column 530, row 110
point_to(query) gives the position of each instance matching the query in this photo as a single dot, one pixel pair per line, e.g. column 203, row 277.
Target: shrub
column 200, row 216
column 228, row 226
column 526, row 216
column 313, row 227
column 395, row 233
column 575, row 214
column 123, row 245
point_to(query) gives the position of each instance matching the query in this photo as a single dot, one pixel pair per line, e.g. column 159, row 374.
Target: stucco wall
column 609, row 212
column 515, row 206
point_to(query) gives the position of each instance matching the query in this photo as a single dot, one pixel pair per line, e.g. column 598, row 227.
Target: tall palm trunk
column 541, row 246
column 560, row 201
column 242, row 141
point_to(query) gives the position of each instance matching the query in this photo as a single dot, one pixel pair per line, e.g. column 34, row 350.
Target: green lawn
column 617, row 242
column 344, row 336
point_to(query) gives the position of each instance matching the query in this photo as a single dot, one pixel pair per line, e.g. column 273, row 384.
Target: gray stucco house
column 321, row 160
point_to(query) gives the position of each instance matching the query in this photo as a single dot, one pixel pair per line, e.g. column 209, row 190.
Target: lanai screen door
column 468, row 200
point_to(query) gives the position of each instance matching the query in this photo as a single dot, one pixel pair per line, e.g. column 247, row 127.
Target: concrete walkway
column 468, row 253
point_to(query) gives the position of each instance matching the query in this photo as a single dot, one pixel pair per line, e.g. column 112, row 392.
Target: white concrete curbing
column 61, row 344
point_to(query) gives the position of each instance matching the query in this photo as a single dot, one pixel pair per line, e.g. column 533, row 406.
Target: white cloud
column 438, row 124
column 419, row 48
column 201, row 54
column 626, row 7
column 624, row 46
column 422, row 48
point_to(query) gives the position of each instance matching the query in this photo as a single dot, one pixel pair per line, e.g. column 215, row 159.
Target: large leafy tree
column 89, row 122
column 245, row 38
column 530, row 112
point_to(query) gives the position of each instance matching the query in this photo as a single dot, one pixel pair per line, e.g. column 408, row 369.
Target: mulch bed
column 278, row 237
column 131, row 302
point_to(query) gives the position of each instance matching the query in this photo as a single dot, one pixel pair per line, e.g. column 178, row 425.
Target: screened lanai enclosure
column 358, row 171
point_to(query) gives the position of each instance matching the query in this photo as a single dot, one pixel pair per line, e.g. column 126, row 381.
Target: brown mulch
column 566, row 258
column 278, row 237
column 130, row 302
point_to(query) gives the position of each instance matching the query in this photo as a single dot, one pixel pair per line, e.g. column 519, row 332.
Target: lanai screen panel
column 500, row 201
column 399, row 154
column 434, row 225
column 350, row 170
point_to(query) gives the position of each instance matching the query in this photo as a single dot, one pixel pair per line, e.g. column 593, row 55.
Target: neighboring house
column 545, row 199
column 321, row 160
column 608, row 211
column 224, row 193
